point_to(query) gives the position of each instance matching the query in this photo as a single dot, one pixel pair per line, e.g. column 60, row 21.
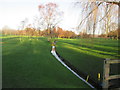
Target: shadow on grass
column 103, row 51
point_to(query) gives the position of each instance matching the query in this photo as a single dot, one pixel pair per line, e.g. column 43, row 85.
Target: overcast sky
column 12, row 12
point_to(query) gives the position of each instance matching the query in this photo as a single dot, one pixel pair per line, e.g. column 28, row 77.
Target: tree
column 50, row 14
column 92, row 10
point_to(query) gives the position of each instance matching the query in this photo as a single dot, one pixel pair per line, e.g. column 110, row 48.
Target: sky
column 12, row 12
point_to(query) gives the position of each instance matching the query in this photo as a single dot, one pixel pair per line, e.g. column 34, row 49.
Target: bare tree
column 94, row 13
column 50, row 15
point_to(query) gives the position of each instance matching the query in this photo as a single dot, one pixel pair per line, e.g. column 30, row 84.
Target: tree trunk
column 118, row 34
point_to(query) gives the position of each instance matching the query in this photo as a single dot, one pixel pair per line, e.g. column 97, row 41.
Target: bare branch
column 89, row 14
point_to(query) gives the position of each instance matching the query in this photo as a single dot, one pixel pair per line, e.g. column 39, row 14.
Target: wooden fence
column 106, row 76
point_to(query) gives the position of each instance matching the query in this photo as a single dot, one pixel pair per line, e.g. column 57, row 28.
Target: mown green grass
column 88, row 55
column 29, row 64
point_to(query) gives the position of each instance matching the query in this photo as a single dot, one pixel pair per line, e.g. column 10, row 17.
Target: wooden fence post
column 106, row 74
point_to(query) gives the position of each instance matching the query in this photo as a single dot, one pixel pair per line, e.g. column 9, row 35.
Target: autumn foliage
column 56, row 32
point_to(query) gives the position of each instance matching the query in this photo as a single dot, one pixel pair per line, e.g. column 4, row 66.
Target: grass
column 29, row 64
column 88, row 55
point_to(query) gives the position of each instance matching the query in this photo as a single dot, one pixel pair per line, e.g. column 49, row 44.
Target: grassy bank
column 88, row 55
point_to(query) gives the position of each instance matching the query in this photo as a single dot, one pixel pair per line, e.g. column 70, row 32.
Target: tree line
column 57, row 32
